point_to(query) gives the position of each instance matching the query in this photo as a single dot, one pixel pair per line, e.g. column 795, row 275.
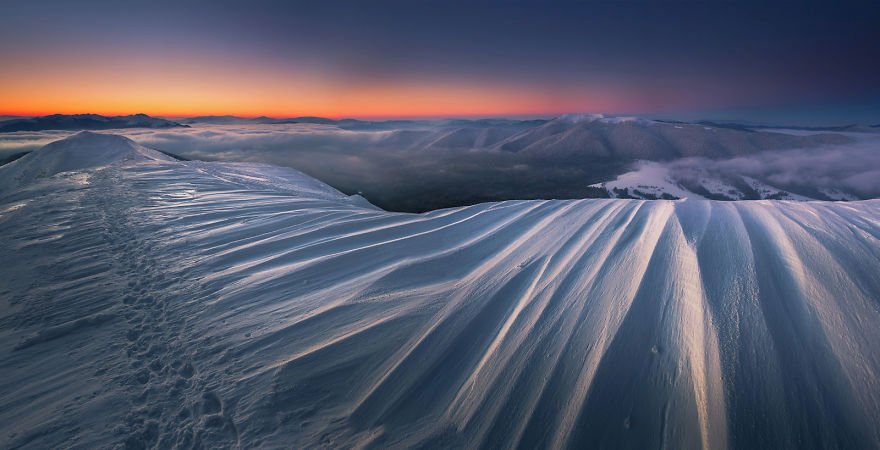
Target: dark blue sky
column 783, row 61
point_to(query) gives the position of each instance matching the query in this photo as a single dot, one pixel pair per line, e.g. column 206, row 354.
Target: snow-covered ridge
column 171, row 303
column 84, row 150
column 88, row 150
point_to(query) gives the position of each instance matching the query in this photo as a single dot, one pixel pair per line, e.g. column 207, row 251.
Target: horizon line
column 519, row 115
column 512, row 116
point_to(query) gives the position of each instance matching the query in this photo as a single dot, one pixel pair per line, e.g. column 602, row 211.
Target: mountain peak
column 85, row 134
column 89, row 149
column 83, row 150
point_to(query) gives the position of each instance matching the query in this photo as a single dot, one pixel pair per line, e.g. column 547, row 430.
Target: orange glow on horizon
column 364, row 102
column 172, row 86
column 374, row 105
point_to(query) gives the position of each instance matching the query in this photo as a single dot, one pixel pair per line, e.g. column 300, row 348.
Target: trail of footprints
column 172, row 406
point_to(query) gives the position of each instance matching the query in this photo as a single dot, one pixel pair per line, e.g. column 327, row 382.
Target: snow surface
column 648, row 177
column 80, row 151
column 165, row 303
column 588, row 117
column 650, row 180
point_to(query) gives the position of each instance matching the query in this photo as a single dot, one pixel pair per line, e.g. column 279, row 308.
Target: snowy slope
column 166, row 303
column 650, row 180
column 630, row 138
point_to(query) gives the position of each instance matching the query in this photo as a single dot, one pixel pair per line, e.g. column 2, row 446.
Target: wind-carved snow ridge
column 181, row 304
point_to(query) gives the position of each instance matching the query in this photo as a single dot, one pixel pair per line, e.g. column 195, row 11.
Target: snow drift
column 159, row 303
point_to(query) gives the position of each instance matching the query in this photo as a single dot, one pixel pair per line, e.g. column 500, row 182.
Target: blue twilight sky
column 783, row 62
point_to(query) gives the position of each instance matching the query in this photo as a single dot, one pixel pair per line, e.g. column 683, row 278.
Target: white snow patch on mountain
column 649, row 180
column 648, row 177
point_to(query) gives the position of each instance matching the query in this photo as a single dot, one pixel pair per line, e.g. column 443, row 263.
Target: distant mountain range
column 591, row 137
column 567, row 136
column 77, row 122
column 501, row 122
column 362, row 125
column 227, row 120
column 263, row 120
column 631, row 138
column 453, row 133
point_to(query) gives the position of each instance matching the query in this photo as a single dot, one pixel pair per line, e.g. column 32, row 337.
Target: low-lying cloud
column 384, row 166
column 852, row 168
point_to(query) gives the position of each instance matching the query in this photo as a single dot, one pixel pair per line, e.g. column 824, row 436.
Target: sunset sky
column 430, row 59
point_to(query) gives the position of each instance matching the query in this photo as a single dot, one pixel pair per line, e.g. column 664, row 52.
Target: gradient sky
column 783, row 62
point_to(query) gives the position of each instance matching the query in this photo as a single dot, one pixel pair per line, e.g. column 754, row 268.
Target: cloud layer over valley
column 389, row 167
column 420, row 166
